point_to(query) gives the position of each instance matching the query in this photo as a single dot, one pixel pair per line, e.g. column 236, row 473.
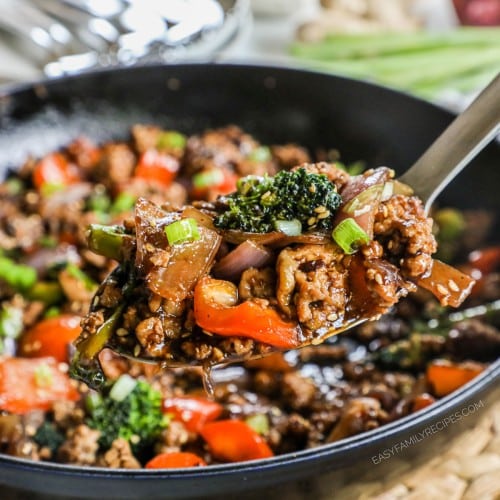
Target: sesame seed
column 137, row 350
column 317, row 341
column 453, row 286
column 378, row 279
column 324, row 215
column 30, row 430
column 385, row 211
column 312, row 188
column 311, row 221
column 332, row 317
column 26, row 449
column 122, row 332
column 442, row 289
column 320, row 209
column 134, row 439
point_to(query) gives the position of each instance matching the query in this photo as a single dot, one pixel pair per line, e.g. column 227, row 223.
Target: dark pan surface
column 277, row 105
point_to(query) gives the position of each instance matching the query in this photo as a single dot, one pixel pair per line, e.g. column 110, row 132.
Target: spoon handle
column 467, row 135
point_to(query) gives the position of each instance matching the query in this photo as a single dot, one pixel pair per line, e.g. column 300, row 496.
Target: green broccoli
column 131, row 410
column 262, row 204
column 48, row 436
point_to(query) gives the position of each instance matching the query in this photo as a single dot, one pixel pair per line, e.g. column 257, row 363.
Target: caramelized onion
column 247, row 254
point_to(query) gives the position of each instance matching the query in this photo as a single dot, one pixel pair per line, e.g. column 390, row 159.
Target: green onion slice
column 260, row 154
column 123, row 203
column 171, row 140
column 259, row 423
column 349, row 236
column 207, row 179
column 182, row 231
column 43, row 376
column 122, row 387
column 289, row 227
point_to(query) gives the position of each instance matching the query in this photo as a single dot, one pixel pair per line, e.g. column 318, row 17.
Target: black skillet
column 277, row 105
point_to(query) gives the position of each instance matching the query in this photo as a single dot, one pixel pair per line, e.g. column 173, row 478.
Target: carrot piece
column 445, row 378
column 33, row 384
column 50, row 337
column 234, row 441
column 175, row 460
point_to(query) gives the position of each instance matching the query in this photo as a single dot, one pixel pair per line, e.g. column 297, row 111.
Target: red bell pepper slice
column 50, row 337
column 33, row 384
column 194, row 412
column 248, row 319
column 157, row 166
column 54, row 169
column 234, row 441
column 175, row 460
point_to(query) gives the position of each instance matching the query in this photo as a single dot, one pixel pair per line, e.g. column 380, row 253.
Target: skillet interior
column 276, row 105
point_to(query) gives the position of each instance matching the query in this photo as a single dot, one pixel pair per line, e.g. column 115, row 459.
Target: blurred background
column 442, row 50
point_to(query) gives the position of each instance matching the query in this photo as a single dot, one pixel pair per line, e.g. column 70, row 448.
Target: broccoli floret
column 48, row 436
column 138, row 417
column 260, row 202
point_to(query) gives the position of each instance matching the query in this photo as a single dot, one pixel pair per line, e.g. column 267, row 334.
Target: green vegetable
column 260, row 154
column 349, row 236
column 14, row 186
column 450, row 225
column 425, row 63
column 11, row 324
column 122, row 387
column 124, row 202
column 207, row 179
column 138, row 418
column 52, row 312
column 48, row 292
column 99, row 202
column 48, row 241
column 289, row 227
column 18, row 276
column 48, row 436
column 171, row 140
column 74, row 271
column 182, row 231
column 109, row 241
column 355, row 168
column 43, row 376
column 260, row 202
column 259, row 423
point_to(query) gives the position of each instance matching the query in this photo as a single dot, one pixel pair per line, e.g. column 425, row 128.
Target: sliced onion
column 449, row 285
column 45, row 258
column 237, row 237
column 200, row 217
column 247, row 254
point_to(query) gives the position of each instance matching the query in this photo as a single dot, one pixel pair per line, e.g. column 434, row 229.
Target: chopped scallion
column 259, row 423
column 260, row 154
column 182, row 231
column 289, row 227
column 43, row 376
column 11, row 322
column 19, row 276
column 349, row 236
column 208, row 179
column 171, row 140
column 122, row 387
column 124, row 202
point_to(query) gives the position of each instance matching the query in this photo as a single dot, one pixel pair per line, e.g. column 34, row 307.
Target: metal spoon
column 448, row 155
column 456, row 147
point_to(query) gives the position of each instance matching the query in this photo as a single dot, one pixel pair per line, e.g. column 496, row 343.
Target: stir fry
column 203, row 248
